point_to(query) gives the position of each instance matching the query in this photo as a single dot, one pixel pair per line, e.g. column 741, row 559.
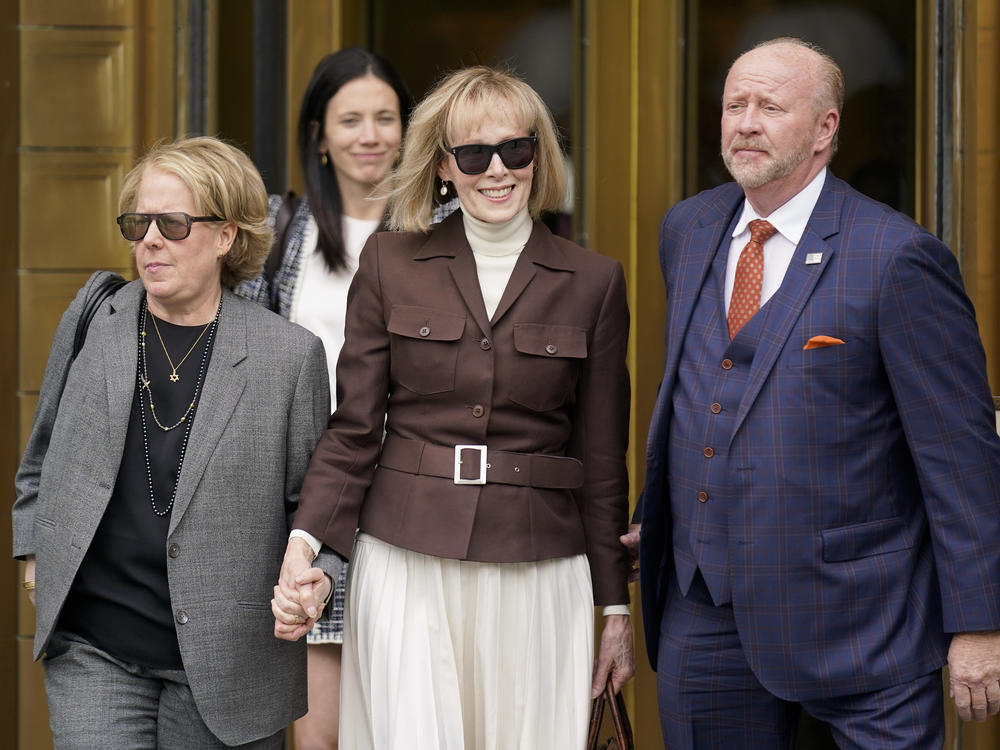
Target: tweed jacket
column 277, row 293
column 546, row 375
column 264, row 403
column 863, row 528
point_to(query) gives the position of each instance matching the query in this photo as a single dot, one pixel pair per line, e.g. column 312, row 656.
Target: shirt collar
column 791, row 217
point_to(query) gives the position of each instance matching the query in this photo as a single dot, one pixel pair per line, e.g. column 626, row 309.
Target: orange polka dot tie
column 749, row 277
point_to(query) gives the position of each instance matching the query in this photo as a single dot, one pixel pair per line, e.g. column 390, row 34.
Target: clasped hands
column 301, row 592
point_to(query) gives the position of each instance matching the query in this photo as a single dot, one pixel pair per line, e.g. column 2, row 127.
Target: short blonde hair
column 224, row 182
column 457, row 104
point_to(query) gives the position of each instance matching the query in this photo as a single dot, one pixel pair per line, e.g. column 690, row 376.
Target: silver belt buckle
column 481, row 479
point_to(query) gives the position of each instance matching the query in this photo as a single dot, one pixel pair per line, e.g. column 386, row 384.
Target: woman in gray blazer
column 155, row 494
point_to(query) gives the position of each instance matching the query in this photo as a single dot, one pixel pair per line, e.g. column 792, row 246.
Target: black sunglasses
column 175, row 225
column 475, row 158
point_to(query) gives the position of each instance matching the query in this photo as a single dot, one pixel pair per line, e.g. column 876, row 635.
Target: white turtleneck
column 496, row 248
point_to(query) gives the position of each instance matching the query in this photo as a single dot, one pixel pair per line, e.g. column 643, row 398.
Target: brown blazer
column 547, row 375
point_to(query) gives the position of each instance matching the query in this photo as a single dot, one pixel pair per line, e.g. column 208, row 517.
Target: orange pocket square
column 818, row 342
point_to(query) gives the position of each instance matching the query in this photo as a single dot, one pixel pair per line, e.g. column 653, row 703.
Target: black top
column 120, row 600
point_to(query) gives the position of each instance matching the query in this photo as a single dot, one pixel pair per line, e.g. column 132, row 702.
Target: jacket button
column 478, row 411
column 182, row 617
column 174, row 550
column 702, row 497
column 424, row 331
column 709, row 451
column 727, row 364
column 485, row 344
column 716, row 408
column 551, row 349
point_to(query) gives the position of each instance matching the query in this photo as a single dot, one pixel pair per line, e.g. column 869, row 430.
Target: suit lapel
column 539, row 250
column 697, row 253
column 785, row 307
column 448, row 241
column 221, row 392
column 121, row 357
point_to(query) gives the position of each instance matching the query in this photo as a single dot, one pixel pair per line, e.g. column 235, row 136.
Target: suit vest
column 704, row 483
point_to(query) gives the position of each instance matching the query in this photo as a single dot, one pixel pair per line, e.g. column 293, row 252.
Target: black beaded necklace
column 186, row 418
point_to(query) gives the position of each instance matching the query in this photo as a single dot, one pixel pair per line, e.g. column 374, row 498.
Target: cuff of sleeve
column 309, row 539
column 616, row 609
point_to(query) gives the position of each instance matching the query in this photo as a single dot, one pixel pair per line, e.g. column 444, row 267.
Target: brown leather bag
column 622, row 739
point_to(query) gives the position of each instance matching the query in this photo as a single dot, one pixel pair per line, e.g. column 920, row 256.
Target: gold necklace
column 144, row 378
column 174, row 377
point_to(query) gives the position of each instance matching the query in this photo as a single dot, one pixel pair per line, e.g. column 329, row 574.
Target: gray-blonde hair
column 461, row 101
column 224, row 182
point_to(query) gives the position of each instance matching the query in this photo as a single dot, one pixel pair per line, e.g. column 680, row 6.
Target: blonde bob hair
column 459, row 103
column 225, row 183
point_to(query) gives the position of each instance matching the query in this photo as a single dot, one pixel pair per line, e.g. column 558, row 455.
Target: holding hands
column 302, row 592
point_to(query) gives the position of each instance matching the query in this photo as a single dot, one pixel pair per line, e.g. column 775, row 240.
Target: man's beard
column 750, row 176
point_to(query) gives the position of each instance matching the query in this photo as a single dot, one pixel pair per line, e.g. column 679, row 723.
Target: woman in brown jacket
column 484, row 528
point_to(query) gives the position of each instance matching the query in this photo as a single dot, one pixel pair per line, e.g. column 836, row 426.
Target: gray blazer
column 264, row 403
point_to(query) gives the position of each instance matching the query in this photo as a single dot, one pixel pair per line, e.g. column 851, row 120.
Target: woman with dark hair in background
column 350, row 128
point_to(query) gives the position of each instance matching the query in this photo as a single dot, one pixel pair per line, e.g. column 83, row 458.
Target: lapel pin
column 813, row 258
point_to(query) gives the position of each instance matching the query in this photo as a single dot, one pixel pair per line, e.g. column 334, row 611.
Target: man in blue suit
column 820, row 522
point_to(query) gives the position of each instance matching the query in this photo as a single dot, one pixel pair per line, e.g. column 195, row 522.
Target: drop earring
column 323, row 159
column 444, row 187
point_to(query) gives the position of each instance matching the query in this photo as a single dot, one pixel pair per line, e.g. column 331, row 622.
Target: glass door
column 875, row 45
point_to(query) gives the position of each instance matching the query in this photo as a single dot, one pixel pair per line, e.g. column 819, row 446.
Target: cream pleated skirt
column 444, row 654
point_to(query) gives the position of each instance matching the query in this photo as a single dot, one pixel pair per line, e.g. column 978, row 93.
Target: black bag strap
column 282, row 223
column 99, row 292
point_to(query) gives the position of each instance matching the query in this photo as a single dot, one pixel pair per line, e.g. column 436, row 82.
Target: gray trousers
column 96, row 700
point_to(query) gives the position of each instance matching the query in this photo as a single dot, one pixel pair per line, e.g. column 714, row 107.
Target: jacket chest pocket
column 546, row 364
column 424, row 348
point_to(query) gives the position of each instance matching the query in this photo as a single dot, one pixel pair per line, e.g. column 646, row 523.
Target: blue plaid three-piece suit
column 855, row 511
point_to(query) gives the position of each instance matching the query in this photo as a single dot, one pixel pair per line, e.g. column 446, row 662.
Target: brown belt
column 476, row 464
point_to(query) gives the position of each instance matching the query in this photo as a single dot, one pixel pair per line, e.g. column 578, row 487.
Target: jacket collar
column 448, row 240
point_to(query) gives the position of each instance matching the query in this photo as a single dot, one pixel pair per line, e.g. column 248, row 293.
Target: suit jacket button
column 478, row 411
column 709, row 451
column 425, row 331
column 551, row 349
column 174, row 550
column 702, row 497
column 716, row 408
column 727, row 364
column 182, row 617
column 485, row 344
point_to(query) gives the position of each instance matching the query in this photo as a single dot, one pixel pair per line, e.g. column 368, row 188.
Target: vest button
column 716, row 408
column 424, row 331
column 702, row 497
column 727, row 364
column 485, row 344
column 478, row 411
column 182, row 616
column 709, row 452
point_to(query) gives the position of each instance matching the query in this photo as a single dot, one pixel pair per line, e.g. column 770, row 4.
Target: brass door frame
column 632, row 163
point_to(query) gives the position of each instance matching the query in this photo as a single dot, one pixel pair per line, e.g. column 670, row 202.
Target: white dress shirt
column 790, row 220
